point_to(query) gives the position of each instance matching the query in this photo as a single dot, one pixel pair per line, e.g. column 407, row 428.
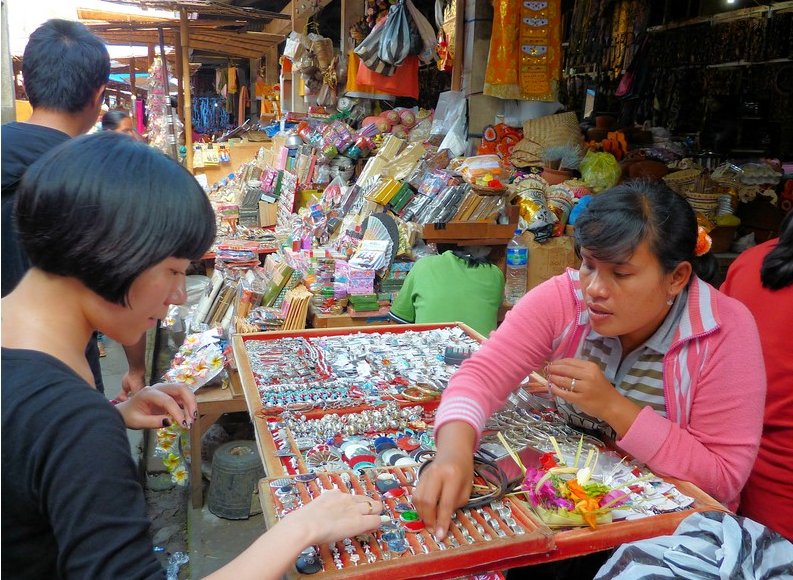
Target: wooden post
column 254, row 64
column 297, row 103
column 132, row 88
column 188, row 105
column 179, row 74
column 459, row 45
column 151, row 55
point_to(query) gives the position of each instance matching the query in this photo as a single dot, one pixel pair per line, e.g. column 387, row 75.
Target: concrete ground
column 210, row 541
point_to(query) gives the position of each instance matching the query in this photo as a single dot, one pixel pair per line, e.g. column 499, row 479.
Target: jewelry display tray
column 274, row 465
column 479, row 555
column 538, row 544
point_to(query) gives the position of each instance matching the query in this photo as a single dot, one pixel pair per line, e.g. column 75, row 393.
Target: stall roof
column 211, row 8
column 229, row 37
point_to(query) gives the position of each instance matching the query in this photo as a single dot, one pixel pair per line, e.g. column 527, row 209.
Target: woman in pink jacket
column 642, row 351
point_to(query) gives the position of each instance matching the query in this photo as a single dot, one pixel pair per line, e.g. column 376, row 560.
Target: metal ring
column 572, row 385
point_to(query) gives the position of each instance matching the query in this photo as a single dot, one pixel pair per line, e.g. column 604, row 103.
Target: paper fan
column 381, row 226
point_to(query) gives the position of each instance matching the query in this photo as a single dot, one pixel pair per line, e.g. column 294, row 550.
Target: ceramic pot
column 555, row 176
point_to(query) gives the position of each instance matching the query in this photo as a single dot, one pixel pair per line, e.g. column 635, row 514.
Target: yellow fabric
column 23, row 110
column 261, row 88
column 354, row 88
column 525, row 60
column 232, row 86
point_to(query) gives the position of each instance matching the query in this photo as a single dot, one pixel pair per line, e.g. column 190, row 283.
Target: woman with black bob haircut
column 110, row 226
column 643, row 353
column 139, row 210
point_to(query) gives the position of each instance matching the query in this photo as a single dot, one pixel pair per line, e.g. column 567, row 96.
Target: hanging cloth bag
column 369, row 51
column 395, row 41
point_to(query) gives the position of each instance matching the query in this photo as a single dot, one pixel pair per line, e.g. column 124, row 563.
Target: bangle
column 428, row 389
column 416, row 395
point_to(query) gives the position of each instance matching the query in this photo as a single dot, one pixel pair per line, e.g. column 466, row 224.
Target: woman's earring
column 670, row 301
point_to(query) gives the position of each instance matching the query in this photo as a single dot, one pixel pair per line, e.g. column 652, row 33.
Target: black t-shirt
column 72, row 506
column 22, row 145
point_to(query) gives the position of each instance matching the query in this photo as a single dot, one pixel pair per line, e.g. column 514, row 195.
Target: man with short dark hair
column 65, row 69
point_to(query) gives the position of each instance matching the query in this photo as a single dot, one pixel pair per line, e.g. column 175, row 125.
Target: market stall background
column 300, row 163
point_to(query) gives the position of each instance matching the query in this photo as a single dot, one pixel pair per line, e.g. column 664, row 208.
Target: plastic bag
column 426, row 31
column 450, row 109
column 600, row 171
column 478, row 166
column 395, row 39
column 295, row 45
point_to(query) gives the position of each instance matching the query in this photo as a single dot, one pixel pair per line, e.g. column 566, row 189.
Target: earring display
column 348, row 370
column 402, row 547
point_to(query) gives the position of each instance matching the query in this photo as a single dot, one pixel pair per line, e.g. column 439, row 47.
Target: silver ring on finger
column 572, row 385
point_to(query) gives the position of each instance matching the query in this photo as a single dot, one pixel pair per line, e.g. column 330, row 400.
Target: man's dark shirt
column 22, row 145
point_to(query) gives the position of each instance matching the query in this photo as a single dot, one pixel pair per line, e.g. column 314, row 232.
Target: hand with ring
column 583, row 384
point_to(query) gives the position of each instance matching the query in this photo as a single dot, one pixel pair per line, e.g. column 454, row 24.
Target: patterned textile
column 525, row 60
column 705, row 545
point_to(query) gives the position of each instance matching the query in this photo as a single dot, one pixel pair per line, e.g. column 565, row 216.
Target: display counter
column 352, row 409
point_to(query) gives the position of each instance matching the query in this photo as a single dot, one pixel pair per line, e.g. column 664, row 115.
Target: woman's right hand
column 335, row 515
column 445, row 484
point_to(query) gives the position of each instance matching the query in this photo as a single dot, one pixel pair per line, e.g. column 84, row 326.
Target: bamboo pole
column 188, row 105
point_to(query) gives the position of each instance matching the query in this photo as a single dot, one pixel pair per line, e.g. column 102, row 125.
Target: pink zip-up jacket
column 714, row 382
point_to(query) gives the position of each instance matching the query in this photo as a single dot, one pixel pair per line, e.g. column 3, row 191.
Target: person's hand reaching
column 159, row 406
column 335, row 515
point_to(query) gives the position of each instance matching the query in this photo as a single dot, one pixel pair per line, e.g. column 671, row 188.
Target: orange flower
column 703, row 242
column 588, row 509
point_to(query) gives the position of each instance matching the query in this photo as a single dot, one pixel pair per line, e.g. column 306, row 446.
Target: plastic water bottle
column 517, row 269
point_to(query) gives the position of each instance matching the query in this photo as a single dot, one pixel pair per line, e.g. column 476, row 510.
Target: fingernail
column 166, row 422
column 439, row 533
column 184, row 423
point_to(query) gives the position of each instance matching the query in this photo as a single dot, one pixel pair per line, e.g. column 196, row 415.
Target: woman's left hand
column 583, row 384
column 159, row 406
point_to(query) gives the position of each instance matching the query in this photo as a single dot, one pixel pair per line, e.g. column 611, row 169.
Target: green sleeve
column 402, row 306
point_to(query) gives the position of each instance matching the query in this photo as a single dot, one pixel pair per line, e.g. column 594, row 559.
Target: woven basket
column 682, row 181
column 542, row 132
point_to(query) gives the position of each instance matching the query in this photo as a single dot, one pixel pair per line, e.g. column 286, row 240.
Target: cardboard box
column 550, row 258
column 267, row 213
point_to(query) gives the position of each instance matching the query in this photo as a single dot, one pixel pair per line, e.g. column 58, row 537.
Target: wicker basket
column 682, row 181
column 542, row 132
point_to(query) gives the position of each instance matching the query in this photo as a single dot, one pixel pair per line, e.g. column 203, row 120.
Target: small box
column 267, row 213
column 550, row 258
